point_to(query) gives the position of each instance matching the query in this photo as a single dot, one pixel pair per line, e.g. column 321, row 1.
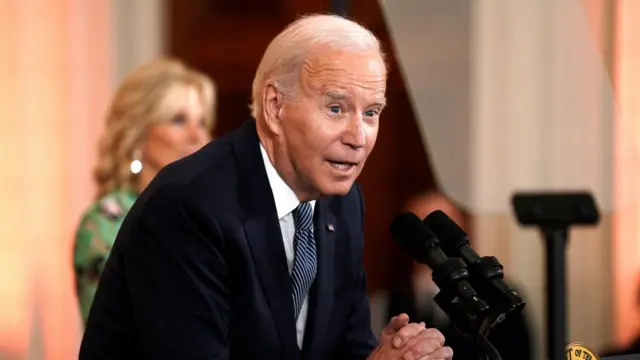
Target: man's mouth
column 342, row 165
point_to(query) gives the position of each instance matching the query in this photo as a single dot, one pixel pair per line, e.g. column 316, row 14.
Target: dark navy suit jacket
column 198, row 269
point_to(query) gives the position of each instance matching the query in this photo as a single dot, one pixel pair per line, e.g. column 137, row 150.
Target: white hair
column 283, row 59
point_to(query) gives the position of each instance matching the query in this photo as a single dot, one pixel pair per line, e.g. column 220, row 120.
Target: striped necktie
column 304, row 261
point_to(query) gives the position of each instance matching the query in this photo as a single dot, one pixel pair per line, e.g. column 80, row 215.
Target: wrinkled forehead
column 360, row 72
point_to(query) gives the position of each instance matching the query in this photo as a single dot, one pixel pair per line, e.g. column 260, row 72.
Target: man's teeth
column 341, row 166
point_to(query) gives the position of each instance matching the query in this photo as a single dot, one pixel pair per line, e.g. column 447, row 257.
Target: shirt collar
column 285, row 199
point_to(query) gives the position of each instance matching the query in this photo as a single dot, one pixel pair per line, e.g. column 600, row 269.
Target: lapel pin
column 330, row 227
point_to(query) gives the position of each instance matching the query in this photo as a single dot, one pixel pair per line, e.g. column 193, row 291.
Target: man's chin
column 338, row 188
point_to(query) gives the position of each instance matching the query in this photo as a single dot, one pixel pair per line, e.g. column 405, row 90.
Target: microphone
column 486, row 272
column 449, row 274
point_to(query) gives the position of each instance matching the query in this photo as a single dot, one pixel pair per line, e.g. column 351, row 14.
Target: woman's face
column 183, row 134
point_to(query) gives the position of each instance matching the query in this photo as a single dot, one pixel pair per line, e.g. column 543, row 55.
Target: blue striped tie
column 304, row 261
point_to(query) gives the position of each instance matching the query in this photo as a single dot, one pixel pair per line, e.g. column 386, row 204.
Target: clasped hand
column 410, row 341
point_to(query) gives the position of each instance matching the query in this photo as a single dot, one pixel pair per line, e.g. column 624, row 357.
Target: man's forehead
column 340, row 75
column 341, row 63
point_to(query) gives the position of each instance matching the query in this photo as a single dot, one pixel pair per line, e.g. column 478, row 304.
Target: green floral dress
column 94, row 238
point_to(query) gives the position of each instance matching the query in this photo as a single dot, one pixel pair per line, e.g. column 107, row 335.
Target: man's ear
column 272, row 101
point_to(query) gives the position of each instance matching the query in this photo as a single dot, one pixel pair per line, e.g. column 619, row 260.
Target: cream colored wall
column 543, row 119
column 139, row 31
column 528, row 105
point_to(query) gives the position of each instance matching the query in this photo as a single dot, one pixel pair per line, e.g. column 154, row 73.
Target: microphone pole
column 554, row 214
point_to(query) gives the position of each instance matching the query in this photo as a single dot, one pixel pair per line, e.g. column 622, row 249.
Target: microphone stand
column 472, row 321
column 556, row 241
column 488, row 351
column 553, row 214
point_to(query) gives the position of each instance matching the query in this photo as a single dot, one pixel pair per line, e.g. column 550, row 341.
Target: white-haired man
column 252, row 247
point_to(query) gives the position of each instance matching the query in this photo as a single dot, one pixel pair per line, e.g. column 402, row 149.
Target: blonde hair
column 286, row 53
column 140, row 101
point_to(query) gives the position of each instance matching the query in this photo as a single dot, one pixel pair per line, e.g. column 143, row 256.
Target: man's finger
column 396, row 323
column 420, row 346
column 436, row 334
column 407, row 332
column 443, row 353
column 425, row 343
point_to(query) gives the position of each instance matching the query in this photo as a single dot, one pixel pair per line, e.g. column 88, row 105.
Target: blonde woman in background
column 161, row 112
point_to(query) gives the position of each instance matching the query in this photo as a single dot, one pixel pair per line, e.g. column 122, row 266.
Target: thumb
column 396, row 323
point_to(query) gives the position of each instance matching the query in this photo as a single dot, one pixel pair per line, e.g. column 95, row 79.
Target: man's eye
column 335, row 109
column 371, row 113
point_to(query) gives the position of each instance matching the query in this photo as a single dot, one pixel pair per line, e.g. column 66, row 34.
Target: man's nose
column 355, row 135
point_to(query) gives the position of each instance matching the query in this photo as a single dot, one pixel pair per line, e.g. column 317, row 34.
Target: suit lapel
column 321, row 300
column 265, row 240
column 263, row 234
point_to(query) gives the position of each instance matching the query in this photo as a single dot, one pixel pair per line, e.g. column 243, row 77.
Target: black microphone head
column 446, row 229
column 413, row 235
column 458, row 298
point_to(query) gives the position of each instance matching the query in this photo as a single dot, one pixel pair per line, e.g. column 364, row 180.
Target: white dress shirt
column 286, row 201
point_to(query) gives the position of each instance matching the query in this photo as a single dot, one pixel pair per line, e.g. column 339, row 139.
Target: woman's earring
column 136, row 163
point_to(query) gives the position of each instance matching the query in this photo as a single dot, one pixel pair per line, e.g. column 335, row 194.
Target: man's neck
column 287, row 176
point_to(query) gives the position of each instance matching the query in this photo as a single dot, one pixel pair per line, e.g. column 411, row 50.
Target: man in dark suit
column 252, row 247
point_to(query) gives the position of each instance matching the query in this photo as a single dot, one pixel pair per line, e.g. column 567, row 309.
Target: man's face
column 328, row 129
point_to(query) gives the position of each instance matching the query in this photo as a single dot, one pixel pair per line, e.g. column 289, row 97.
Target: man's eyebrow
column 334, row 95
column 380, row 102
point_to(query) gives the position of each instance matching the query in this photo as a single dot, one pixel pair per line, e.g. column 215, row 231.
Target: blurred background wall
column 60, row 61
column 485, row 98
column 519, row 98
column 535, row 95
